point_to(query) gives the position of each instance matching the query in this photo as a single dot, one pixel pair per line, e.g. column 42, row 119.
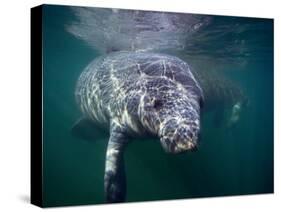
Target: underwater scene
column 143, row 106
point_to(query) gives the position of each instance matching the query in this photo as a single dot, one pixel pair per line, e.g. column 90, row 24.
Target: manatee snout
column 180, row 136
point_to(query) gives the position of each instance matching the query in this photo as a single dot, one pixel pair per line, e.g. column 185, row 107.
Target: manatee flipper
column 235, row 114
column 86, row 129
column 115, row 177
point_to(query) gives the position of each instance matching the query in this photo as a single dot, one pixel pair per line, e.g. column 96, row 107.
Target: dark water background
column 229, row 162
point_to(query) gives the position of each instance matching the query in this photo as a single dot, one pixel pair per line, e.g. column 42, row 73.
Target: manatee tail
column 130, row 30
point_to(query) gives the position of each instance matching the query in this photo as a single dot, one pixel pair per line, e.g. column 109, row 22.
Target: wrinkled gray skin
column 136, row 94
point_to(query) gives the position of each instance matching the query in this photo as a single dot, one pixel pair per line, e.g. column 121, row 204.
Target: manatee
column 139, row 95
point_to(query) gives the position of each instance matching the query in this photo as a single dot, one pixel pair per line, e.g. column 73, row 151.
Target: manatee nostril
column 180, row 135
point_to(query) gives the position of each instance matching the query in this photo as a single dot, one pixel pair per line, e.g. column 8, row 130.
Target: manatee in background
column 224, row 98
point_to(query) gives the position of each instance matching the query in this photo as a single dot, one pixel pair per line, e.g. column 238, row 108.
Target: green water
column 229, row 162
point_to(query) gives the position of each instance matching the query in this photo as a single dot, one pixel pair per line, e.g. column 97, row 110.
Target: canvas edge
column 36, row 179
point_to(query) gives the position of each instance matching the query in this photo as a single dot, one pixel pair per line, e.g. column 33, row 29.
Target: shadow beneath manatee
column 85, row 129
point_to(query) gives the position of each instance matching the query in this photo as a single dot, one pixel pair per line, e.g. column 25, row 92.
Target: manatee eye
column 157, row 104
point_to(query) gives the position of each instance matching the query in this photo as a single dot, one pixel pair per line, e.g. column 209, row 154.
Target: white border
column 15, row 98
